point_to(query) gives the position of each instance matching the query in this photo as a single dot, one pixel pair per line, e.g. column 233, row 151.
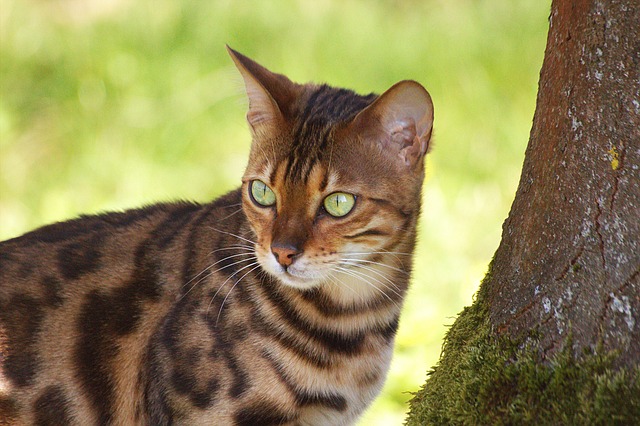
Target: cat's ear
column 270, row 94
column 401, row 120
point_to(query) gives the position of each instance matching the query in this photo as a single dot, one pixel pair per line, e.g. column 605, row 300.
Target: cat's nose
column 285, row 253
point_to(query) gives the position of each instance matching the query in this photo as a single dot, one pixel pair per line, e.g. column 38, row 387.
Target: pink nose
column 285, row 254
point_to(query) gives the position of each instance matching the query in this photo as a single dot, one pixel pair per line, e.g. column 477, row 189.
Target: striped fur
column 181, row 313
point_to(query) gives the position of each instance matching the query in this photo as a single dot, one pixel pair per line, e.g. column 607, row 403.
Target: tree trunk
column 554, row 332
column 570, row 252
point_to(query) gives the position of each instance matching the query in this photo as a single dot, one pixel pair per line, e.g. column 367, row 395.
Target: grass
column 114, row 104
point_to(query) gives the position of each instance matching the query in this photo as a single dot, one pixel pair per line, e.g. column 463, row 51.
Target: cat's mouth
column 295, row 278
column 297, row 275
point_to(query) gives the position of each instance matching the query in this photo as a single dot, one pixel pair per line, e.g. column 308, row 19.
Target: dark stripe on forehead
column 325, row 108
column 302, row 122
column 302, row 148
column 307, row 153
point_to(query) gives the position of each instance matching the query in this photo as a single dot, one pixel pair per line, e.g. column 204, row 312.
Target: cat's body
column 275, row 304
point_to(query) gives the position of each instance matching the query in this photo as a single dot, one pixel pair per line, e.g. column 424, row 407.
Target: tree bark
column 566, row 276
column 569, row 259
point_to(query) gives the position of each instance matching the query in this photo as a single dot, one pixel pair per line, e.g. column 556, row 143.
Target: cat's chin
column 291, row 280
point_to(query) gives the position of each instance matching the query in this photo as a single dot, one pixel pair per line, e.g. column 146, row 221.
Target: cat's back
column 82, row 250
column 79, row 298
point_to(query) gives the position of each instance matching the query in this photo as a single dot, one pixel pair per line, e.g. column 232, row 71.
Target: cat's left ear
column 401, row 119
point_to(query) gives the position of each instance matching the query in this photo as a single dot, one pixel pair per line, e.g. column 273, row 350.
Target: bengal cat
column 277, row 303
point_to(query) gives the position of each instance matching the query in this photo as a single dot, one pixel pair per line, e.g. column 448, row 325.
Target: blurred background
column 112, row 104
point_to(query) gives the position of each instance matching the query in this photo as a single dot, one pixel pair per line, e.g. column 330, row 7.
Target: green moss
column 481, row 379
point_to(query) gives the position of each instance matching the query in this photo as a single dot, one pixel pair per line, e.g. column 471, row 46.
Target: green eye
column 262, row 194
column 339, row 204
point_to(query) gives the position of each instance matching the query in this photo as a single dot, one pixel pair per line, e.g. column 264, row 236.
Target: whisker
column 361, row 277
column 375, row 263
column 234, row 213
column 375, row 252
column 208, row 274
column 233, row 235
column 227, row 280
column 229, row 292
column 237, row 246
column 335, row 282
column 395, row 254
column 393, row 286
column 366, row 268
column 247, row 253
column 349, row 273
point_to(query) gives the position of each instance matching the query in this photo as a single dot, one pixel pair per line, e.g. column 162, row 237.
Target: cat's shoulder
column 85, row 225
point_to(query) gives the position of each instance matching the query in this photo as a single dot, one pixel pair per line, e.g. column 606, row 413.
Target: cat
column 276, row 303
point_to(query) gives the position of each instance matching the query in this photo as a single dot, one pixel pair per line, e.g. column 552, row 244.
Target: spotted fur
column 184, row 313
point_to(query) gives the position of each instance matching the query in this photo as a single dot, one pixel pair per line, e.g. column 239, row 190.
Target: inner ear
column 400, row 120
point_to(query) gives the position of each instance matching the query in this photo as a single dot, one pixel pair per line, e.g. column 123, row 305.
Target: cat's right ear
column 270, row 94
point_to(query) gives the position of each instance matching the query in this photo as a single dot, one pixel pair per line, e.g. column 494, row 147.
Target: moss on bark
column 482, row 379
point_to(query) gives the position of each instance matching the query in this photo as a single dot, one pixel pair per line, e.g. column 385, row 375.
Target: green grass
column 114, row 104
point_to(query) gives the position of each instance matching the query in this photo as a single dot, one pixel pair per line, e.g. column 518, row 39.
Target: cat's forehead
column 309, row 142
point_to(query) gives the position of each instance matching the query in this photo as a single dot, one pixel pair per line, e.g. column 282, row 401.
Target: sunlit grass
column 114, row 104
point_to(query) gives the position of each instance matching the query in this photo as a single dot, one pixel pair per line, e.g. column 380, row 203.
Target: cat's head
column 334, row 178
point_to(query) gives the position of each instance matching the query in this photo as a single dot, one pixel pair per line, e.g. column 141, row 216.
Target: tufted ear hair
column 270, row 95
column 401, row 120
